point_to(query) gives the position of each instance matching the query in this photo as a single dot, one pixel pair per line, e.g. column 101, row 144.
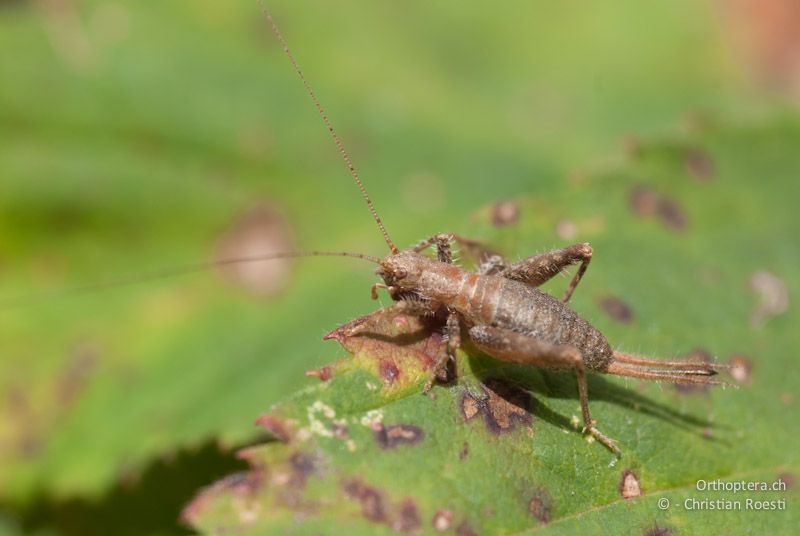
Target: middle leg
column 452, row 335
column 540, row 268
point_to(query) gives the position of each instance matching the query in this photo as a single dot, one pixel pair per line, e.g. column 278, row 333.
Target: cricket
column 500, row 307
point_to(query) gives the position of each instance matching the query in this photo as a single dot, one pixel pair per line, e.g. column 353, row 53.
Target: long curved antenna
column 329, row 126
column 172, row 272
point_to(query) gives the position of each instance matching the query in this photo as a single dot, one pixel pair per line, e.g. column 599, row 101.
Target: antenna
column 329, row 126
column 173, row 272
column 14, row 303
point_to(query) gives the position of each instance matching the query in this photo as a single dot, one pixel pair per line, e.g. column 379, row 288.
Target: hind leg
column 514, row 347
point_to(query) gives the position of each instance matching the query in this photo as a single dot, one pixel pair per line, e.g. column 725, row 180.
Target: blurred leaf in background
column 136, row 136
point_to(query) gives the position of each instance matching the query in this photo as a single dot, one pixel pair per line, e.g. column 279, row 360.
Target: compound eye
column 400, row 274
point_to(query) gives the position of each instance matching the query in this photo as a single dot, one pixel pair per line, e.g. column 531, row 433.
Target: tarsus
column 329, row 126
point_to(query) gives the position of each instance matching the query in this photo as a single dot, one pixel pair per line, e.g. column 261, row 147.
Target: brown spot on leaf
column 371, row 500
column 629, row 486
column 655, row 530
column 464, row 452
column 671, row 214
column 408, row 519
column 699, row 164
column 442, row 520
column 323, row 373
column 617, row 309
column 646, row 202
column 788, row 479
column 766, row 36
column 291, row 478
column 243, row 486
column 505, row 213
column 540, row 506
column 303, row 466
column 388, row 371
column 68, row 33
column 243, row 483
column 340, row 431
column 260, row 231
column 276, row 426
column 503, row 406
column 377, row 508
column 566, row 229
column 697, row 355
column 388, row 437
column 773, row 297
column 643, row 201
column 741, row 368
column 464, row 529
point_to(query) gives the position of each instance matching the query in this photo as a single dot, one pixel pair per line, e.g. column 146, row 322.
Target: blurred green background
column 137, row 136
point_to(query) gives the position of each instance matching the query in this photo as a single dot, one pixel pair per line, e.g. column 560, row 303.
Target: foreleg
column 452, row 334
column 472, row 247
column 514, row 347
column 443, row 250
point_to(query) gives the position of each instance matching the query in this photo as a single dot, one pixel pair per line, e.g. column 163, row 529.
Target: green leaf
column 187, row 115
column 678, row 232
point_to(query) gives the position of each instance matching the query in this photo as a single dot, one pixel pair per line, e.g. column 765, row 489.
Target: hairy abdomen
column 513, row 305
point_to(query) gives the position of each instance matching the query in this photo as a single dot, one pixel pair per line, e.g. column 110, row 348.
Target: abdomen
column 525, row 309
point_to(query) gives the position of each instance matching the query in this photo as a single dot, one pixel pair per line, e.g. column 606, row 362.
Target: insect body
column 500, row 308
column 500, row 302
column 507, row 317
